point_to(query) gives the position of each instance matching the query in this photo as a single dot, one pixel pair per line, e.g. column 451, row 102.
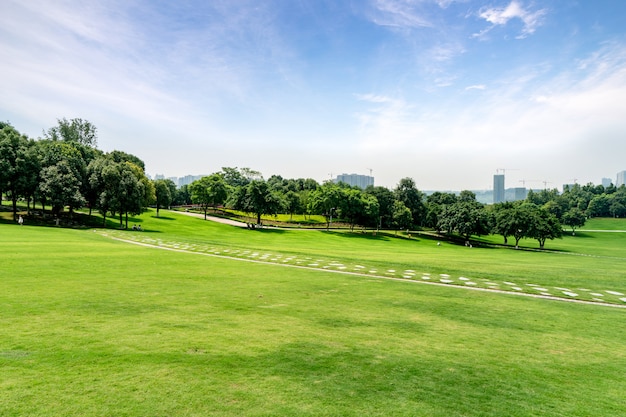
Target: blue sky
column 445, row 92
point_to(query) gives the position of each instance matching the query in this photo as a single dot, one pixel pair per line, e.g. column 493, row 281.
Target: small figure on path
column 20, row 220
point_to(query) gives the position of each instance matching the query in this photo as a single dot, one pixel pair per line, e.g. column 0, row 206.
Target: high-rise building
column 361, row 181
column 521, row 193
column 606, row 182
column 498, row 188
column 621, row 179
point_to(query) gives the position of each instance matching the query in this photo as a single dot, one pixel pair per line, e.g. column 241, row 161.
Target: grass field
column 91, row 325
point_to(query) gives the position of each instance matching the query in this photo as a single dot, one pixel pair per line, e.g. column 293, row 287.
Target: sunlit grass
column 95, row 326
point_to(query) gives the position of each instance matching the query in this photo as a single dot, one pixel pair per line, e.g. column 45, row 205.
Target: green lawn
column 90, row 325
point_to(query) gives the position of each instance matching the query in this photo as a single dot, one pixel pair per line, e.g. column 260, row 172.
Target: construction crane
column 370, row 169
column 504, row 170
column 523, row 181
column 545, row 184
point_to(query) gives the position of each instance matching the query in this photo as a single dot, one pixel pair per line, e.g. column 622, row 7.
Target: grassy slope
column 575, row 263
column 97, row 327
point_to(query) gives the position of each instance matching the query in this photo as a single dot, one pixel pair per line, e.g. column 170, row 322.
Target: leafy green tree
column 104, row 177
column 599, row 206
column 61, row 185
column 466, row 218
column 502, row 219
column 239, row 177
column 163, row 195
column 292, row 203
column 544, row 225
column 355, row 206
column 260, row 200
column 574, row 218
column 325, row 201
column 386, row 200
column 18, row 165
column 182, row 195
column 75, row 130
column 467, row 196
column 412, row 198
column 434, row 206
column 401, row 217
column 130, row 193
column 120, row 156
column 209, row 191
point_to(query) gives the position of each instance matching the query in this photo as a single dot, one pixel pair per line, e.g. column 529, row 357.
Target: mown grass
column 94, row 326
column 571, row 264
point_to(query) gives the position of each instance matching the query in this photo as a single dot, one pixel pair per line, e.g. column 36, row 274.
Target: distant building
column 186, row 180
column 159, row 177
column 606, row 182
column 361, row 181
column 498, row 188
column 621, row 179
column 520, row 193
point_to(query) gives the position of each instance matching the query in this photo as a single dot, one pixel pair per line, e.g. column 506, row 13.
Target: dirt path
column 214, row 219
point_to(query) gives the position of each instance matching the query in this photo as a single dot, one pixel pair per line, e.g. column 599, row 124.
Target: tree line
column 65, row 170
column 541, row 216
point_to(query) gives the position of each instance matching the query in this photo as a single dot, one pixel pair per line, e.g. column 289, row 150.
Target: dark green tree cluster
column 65, row 170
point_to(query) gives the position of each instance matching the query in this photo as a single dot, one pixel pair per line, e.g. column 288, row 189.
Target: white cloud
column 399, row 14
column 556, row 127
column 500, row 16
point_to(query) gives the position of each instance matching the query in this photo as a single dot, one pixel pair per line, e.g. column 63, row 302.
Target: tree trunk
column 127, row 220
column 14, row 200
column 258, row 218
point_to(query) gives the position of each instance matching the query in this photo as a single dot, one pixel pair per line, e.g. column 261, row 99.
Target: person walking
column 20, row 220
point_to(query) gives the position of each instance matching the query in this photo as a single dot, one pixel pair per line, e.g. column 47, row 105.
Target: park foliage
column 66, row 171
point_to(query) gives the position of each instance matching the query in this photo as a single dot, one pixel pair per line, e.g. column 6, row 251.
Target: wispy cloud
column 500, row 16
column 568, row 114
column 399, row 14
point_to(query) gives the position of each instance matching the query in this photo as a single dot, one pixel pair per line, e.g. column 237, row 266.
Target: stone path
column 603, row 296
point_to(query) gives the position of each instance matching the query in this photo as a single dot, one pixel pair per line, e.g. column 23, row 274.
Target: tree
column 412, row 199
column 18, row 165
column 356, row 206
column 163, row 195
column 239, row 177
column 435, row 204
column 521, row 221
column 292, row 202
column 103, row 181
column 61, row 186
column 208, row 192
column 502, row 219
column 119, row 156
column 401, row 217
column 386, row 201
column 325, row 201
column 75, row 130
column 130, row 193
column 260, row 200
column 574, row 218
column 544, row 225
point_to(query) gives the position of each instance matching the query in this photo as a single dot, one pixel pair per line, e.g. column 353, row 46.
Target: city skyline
column 442, row 91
